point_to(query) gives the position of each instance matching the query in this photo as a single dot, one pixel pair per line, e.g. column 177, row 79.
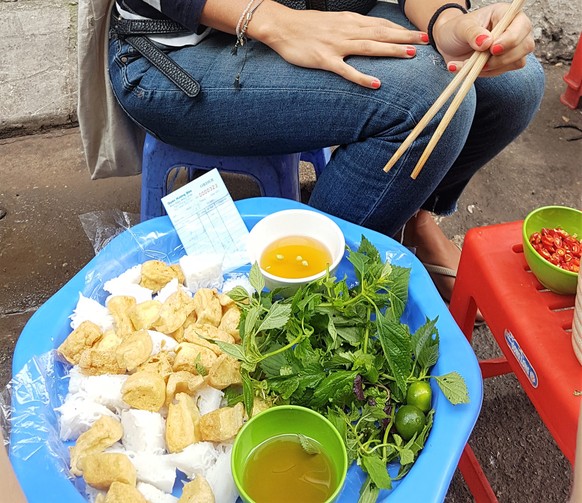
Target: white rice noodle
column 237, row 279
column 154, row 495
column 90, row 310
column 168, row 289
column 103, row 389
column 161, row 342
column 77, row 415
column 208, row 399
column 195, row 459
column 202, row 271
column 154, row 469
column 220, row 478
column 131, row 276
column 139, row 293
column 143, row 431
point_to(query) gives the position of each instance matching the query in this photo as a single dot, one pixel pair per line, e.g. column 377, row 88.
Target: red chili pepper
column 558, row 247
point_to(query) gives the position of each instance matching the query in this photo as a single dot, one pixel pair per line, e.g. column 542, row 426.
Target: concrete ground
column 45, row 188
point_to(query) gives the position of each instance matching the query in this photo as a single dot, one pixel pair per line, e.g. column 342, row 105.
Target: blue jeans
column 282, row 108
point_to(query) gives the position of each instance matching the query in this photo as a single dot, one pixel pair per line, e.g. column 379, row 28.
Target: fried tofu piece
column 190, row 320
column 224, row 372
column 98, row 362
column 197, row 491
column 182, row 423
column 160, row 363
column 193, row 358
column 134, row 350
column 144, row 391
column 207, row 306
column 103, row 434
column 84, row 337
column 174, row 312
column 179, row 273
column 155, row 275
column 145, row 314
column 110, row 340
column 123, row 493
column 198, row 334
column 120, row 306
column 182, row 382
column 101, row 470
column 222, row 424
column 230, row 321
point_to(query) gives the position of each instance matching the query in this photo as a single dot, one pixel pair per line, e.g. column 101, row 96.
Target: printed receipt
column 207, row 221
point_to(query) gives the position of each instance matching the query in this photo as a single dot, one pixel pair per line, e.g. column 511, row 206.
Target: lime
column 420, row 395
column 409, row 420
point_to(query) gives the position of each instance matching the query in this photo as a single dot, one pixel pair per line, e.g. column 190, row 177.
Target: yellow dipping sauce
column 294, row 257
column 279, row 470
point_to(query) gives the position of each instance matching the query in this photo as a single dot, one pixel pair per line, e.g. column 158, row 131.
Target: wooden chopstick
column 465, row 79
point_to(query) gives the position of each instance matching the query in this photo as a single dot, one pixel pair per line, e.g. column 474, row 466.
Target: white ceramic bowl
column 295, row 223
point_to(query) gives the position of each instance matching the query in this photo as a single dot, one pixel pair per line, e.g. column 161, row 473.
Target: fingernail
column 424, row 37
column 480, row 39
column 375, row 83
column 411, row 51
column 452, row 67
column 497, row 49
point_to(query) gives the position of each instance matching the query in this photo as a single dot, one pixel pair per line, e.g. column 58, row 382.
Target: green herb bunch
column 342, row 351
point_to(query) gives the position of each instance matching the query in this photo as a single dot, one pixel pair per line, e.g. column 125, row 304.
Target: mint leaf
column 359, row 261
column 248, row 393
column 377, row 471
column 309, row 445
column 277, row 317
column 398, row 293
column 251, row 319
column 424, row 347
column 238, row 294
column 395, row 341
column 406, row 457
column 369, row 492
column 453, row 387
column 367, row 248
column 336, row 388
column 234, row 350
column 256, row 279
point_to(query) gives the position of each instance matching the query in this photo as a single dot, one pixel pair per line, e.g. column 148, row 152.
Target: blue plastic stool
column 276, row 175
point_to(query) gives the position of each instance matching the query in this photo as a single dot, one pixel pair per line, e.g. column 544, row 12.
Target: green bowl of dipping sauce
column 289, row 454
column 551, row 276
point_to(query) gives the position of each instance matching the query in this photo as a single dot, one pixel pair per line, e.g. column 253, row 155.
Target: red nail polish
column 375, row 84
column 452, row 67
column 424, row 37
column 497, row 49
column 411, row 51
column 480, row 39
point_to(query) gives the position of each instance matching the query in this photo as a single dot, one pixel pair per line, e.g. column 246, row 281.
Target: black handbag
column 360, row 6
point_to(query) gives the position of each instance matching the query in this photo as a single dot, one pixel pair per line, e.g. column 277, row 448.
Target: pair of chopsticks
column 465, row 79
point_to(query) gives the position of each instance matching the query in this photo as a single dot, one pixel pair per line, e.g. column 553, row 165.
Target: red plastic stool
column 532, row 327
column 573, row 78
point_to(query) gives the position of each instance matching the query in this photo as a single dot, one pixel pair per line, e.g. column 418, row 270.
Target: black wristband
column 403, row 2
column 436, row 15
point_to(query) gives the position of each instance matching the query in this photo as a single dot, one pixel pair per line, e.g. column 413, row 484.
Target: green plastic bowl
column 552, row 277
column 288, row 420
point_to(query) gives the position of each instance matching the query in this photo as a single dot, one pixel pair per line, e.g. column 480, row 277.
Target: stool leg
column 494, row 367
column 475, row 477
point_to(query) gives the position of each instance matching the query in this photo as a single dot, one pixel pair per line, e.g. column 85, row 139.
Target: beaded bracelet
column 435, row 16
column 243, row 24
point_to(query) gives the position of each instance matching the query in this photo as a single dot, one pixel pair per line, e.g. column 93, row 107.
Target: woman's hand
column 316, row 39
column 457, row 35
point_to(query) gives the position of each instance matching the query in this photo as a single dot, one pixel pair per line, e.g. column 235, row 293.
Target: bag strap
column 134, row 31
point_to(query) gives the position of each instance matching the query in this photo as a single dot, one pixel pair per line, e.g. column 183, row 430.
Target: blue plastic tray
column 41, row 473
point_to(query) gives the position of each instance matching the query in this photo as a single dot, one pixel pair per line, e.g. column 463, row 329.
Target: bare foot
column 433, row 247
